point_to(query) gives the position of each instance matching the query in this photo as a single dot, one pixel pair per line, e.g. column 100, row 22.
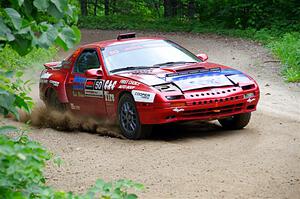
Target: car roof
column 106, row 43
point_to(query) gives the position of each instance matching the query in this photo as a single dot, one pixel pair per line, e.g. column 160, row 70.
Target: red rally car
column 139, row 82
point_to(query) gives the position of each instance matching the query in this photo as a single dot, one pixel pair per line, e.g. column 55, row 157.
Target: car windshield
column 145, row 54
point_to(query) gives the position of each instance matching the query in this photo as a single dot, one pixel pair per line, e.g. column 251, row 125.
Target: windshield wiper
column 174, row 62
column 132, row 68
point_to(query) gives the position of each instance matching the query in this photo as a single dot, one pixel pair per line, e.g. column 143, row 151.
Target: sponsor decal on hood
column 196, row 81
column 190, row 80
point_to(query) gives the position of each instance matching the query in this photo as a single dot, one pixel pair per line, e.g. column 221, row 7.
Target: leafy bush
column 38, row 23
column 21, row 166
column 287, row 49
column 22, row 162
column 13, row 93
column 13, row 89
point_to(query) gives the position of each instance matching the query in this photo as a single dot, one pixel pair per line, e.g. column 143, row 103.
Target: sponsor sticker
column 110, row 85
column 74, row 107
column 77, row 93
column 54, row 83
column 200, row 81
column 250, row 100
column 143, row 96
column 46, row 75
column 177, row 110
column 109, row 97
column 127, row 87
column 129, row 82
column 78, row 83
column 93, row 88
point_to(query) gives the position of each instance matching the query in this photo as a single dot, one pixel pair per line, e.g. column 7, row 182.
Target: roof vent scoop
column 126, row 36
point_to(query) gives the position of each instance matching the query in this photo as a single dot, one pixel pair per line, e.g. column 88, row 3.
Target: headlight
column 167, row 88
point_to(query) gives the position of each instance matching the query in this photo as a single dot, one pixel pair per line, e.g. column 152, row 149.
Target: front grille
column 212, row 93
column 215, row 111
column 218, row 100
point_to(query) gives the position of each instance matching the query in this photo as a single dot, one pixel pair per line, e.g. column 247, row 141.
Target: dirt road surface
column 198, row 160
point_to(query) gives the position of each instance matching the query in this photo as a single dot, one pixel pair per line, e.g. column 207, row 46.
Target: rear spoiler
column 52, row 65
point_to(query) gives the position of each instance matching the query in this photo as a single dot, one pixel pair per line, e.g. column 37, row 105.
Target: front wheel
column 129, row 119
column 236, row 122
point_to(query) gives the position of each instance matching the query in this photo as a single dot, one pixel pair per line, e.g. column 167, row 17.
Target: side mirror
column 93, row 73
column 203, row 57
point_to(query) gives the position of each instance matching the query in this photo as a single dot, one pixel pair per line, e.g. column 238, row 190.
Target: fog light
column 248, row 95
column 178, row 104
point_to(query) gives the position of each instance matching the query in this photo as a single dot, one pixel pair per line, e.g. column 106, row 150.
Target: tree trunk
column 170, row 8
column 113, row 5
column 191, row 9
column 83, row 7
column 174, row 8
column 95, row 7
column 167, row 8
column 106, row 7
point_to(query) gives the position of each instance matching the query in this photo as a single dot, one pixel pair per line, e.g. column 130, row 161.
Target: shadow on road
column 195, row 129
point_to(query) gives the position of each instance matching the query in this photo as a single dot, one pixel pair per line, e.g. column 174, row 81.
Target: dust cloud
column 43, row 117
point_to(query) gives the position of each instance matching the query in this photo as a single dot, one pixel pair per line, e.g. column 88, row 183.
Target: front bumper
column 197, row 109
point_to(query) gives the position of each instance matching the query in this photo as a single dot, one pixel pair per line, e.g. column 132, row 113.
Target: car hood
column 191, row 76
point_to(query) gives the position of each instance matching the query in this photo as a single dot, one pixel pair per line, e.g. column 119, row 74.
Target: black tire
column 53, row 102
column 236, row 122
column 129, row 120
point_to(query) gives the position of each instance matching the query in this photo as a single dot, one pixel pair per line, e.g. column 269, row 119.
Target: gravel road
column 195, row 160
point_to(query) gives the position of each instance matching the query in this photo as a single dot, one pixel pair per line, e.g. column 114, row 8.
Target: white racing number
column 98, row 85
column 110, row 85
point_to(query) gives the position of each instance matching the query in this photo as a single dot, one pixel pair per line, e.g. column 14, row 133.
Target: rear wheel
column 236, row 122
column 129, row 119
column 54, row 103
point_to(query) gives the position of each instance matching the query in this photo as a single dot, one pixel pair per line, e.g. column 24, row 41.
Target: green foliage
column 13, row 93
column 7, row 129
column 134, row 23
column 287, row 49
column 21, row 166
column 11, row 60
column 260, row 20
column 13, row 89
column 22, row 162
column 118, row 190
column 286, row 46
column 240, row 14
column 40, row 23
column 25, row 25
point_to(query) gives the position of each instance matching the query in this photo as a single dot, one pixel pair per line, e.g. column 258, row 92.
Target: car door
column 85, row 93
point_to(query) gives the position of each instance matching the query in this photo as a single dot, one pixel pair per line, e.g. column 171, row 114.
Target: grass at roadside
column 287, row 49
column 11, row 60
column 284, row 42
